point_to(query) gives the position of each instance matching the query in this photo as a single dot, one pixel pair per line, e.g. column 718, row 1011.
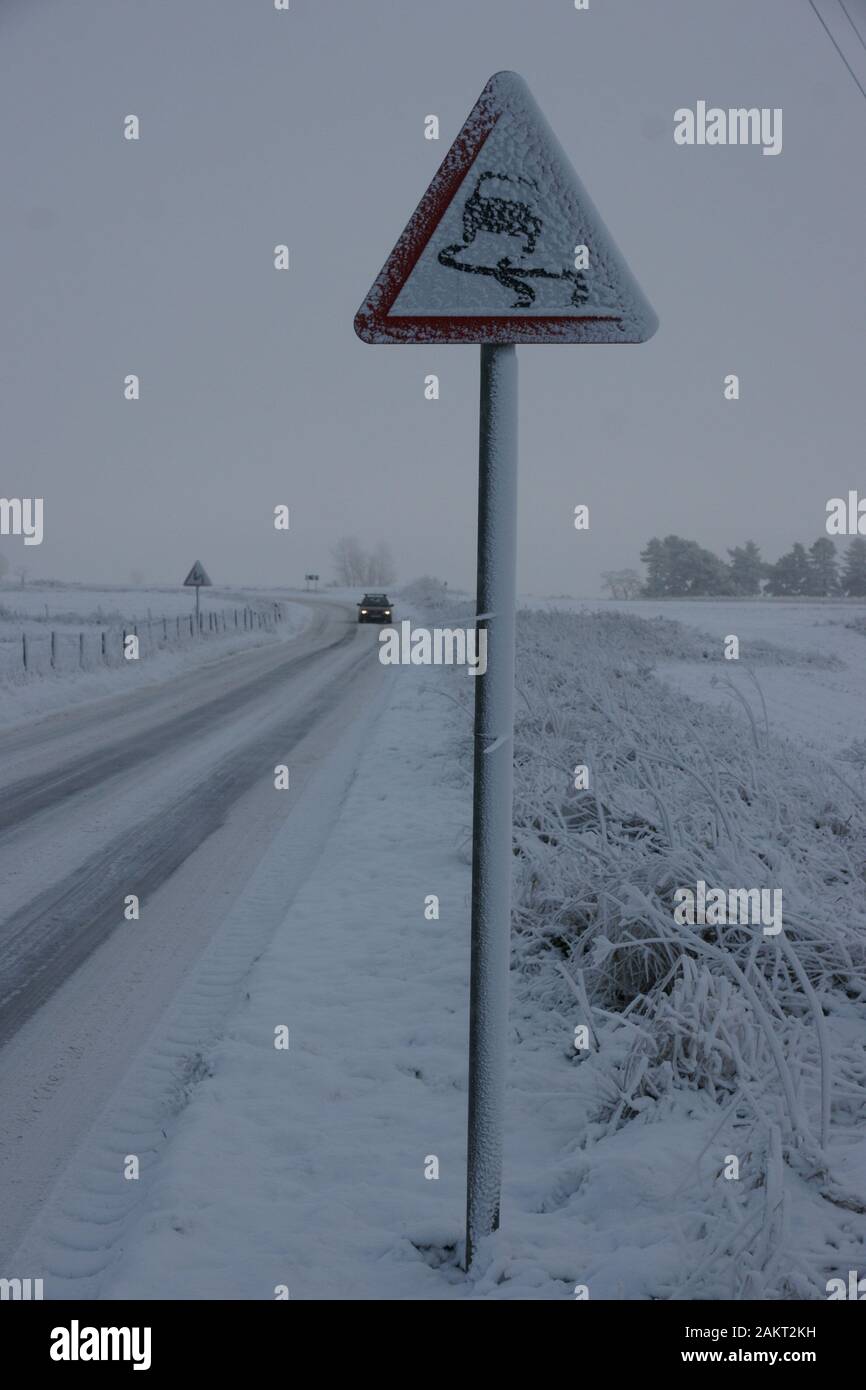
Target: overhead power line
column 851, row 22
column 836, row 46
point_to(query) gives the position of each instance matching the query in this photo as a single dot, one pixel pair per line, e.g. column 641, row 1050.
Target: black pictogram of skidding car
column 505, row 216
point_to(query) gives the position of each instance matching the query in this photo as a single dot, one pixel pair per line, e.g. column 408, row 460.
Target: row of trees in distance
column 679, row 568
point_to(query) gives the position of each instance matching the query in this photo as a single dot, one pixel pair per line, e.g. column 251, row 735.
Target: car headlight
column 363, row 611
column 387, row 612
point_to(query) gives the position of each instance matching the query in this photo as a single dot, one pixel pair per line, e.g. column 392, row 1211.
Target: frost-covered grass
column 759, row 1039
column 771, row 1029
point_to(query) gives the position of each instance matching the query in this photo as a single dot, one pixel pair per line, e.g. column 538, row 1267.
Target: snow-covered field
column 305, row 1167
column 73, row 610
column 821, row 701
column 83, row 603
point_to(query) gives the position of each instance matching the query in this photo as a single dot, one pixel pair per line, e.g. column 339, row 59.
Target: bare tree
column 21, row 571
column 622, row 583
column 4, row 566
column 380, row 565
column 355, row 566
column 350, row 562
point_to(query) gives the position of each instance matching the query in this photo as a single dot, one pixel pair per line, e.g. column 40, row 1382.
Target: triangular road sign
column 493, row 251
column 197, row 577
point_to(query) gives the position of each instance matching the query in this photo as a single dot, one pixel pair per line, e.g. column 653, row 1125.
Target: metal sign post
column 505, row 247
column 492, row 855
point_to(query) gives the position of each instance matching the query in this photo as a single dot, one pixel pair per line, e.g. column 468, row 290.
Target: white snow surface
column 306, row 1168
column 815, row 703
column 70, row 609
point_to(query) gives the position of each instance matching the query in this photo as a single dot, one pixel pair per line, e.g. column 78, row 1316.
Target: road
column 166, row 793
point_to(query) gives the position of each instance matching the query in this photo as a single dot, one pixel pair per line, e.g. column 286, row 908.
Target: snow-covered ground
column 304, row 1167
column 822, row 706
column 73, row 609
column 58, row 602
column 167, row 791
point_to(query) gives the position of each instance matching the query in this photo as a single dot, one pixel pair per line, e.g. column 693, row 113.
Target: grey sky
column 307, row 128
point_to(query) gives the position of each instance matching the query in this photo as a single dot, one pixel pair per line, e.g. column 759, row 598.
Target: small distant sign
column 311, row 577
column 197, row 577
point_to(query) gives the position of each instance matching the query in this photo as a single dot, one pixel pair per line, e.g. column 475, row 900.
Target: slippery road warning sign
column 197, row 577
column 506, row 245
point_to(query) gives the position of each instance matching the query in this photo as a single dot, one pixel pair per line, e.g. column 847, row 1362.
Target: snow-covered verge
column 808, row 656
column 750, row 1045
column 79, row 617
column 305, row 1167
column 712, row 1043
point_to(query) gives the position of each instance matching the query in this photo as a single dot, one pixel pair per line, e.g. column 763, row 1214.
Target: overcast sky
column 259, row 127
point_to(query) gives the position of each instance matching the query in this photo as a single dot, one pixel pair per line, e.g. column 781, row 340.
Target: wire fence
column 89, row 649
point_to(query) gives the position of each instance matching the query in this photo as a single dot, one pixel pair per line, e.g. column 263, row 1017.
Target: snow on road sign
column 506, row 245
column 197, row 577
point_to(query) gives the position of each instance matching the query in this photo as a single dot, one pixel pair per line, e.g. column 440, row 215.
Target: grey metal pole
column 197, row 617
column 492, row 828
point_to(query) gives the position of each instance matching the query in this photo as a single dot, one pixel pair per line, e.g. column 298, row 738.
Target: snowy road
column 168, row 794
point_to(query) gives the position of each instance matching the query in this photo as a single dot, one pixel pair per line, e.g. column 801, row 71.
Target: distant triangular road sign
column 197, row 577
column 493, row 251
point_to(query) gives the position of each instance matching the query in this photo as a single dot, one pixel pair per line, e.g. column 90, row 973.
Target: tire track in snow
column 77, row 1237
column 47, row 939
column 31, row 795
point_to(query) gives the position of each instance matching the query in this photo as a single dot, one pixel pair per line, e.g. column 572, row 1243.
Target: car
column 375, row 608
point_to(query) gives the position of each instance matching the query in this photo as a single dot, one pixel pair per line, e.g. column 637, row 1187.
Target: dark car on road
column 375, row 608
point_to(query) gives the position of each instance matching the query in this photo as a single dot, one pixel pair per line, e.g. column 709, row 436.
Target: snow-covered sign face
column 506, row 245
column 197, row 577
